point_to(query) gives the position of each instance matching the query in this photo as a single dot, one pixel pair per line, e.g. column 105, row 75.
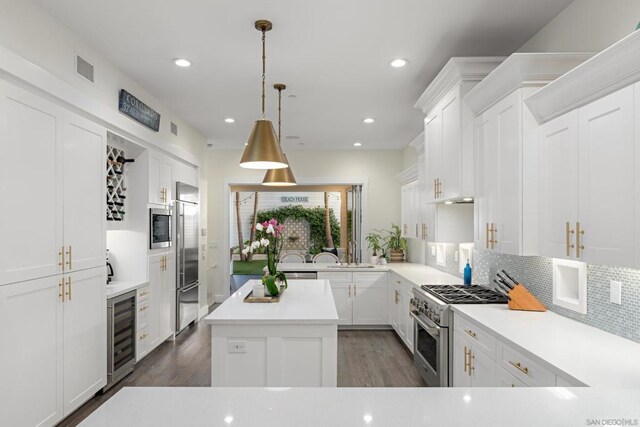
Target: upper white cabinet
column 589, row 183
column 160, row 178
column 448, row 130
column 506, row 156
column 54, row 182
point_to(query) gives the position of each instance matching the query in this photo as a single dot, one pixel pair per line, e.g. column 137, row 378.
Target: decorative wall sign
column 138, row 110
column 289, row 199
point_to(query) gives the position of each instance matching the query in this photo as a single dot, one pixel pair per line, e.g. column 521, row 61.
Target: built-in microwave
column 159, row 228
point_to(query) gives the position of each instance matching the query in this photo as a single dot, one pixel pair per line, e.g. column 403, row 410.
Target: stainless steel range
column 433, row 326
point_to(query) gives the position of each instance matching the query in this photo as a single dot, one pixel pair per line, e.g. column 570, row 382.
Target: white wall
column 379, row 167
column 586, row 26
column 30, row 32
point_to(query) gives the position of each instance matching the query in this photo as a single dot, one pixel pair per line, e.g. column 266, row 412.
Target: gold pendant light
column 263, row 150
column 280, row 177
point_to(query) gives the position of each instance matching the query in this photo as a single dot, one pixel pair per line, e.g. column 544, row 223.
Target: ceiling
column 333, row 55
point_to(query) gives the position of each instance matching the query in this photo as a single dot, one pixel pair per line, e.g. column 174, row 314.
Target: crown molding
column 408, row 175
column 456, row 70
column 612, row 69
column 518, row 71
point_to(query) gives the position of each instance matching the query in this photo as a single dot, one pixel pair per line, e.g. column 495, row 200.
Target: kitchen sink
column 352, row 266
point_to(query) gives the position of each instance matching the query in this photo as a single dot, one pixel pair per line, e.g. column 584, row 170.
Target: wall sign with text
column 138, row 110
column 290, row 199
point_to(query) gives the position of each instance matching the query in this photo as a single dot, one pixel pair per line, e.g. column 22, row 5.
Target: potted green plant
column 396, row 244
column 375, row 242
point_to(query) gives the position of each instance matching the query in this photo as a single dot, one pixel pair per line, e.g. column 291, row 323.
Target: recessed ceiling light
column 182, row 62
column 357, row 144
column 448, row 202
column 229, row 120
column 398, row 63
column 368, row 120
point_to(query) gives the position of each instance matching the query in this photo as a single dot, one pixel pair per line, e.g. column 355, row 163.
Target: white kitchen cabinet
column 160, row 301
column 401, row 319
column 56, row 359
column 506, row 163
column 31, row 359
column 54, row 180
column 84, row 333
column 160, row 178
column 360, row 297
column 410, row 211
column 472, row 366
column 448, row 128
column 587, row 195
column 505, row 379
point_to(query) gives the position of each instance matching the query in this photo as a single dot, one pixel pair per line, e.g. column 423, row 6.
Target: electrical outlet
column 203, row 232
column 615, row 292
column 236, row 347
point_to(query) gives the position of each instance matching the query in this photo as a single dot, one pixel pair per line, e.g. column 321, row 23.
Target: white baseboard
column 219, row 298
column 203, row 312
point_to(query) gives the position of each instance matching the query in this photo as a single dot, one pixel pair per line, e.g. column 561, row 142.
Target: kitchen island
column 292, row 343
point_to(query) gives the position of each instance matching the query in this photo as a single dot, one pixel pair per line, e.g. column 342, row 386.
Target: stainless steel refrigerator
column 186, row 213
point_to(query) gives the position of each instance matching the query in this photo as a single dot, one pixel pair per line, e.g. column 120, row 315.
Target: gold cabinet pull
column 69, row 258
column 487, row 240
column 579, row 245
column 144, row 307
column 494, row 230
column 465, row 358
column 61, row 261
column 61, row 289
column 416, row 230
column 143, row 336
column 69, row 288
column 439, row 188
column 435, row 188
column 518, row 366
column 470, row 332
column 568, row 234
column 355, row 290
column 349, row 291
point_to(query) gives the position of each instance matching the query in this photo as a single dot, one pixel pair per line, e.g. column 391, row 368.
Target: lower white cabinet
column 360, row 297
column 159, row 303
column 401, row 319
column 55, row 354
column 481, row 359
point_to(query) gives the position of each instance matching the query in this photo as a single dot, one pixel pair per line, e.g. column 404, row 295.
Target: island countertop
column 304, row 302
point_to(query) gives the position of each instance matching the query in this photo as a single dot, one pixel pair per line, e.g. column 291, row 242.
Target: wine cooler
column 121, row 337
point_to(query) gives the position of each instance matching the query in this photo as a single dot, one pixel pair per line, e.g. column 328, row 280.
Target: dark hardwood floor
column 365, row 359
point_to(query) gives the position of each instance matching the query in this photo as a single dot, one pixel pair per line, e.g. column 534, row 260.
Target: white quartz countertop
column 304, row 302
column 587, row 354
column 417, row 273
column 119, row 287
column 315, row 407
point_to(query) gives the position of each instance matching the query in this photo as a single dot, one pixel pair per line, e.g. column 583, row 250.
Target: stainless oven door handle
column 434, row 331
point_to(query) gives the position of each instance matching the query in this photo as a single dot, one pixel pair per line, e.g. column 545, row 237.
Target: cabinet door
column 156, row 276
column 166, row 179
column 461, row 347
column 31, row 186
column 406, row 321
column 451, row 146
column 84, row 192
column 85, row 331
column 369, row 303
column 155, row 177
column 505, row 379
column 433, row 135
column 606, row 175
column 508, row 165
column 395, row 311
column 486, row 176
column 558, row 185
column 404, row 210
column 342, row 297
column 31, row 356
column 168, row 298
column 483, row 369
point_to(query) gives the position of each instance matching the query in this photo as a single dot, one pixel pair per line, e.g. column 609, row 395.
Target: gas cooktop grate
column 461, row 294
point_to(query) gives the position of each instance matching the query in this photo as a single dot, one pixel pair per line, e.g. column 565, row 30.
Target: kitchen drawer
column 476, row 334
column 336, row 276
column 523, row 367
column 402, row 283
column 142, row 343
column 142, row 315
column 370, row 277
column 142, row 294
column 505, row 379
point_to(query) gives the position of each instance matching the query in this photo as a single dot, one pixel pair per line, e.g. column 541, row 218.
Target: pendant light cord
column 279, row 110
column 264, row 58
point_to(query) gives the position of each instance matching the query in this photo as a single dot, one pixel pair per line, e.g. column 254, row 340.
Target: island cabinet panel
column 342, row 297
column 291, row 343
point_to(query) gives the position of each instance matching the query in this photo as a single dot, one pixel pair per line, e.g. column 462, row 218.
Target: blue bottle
column 467, row 274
